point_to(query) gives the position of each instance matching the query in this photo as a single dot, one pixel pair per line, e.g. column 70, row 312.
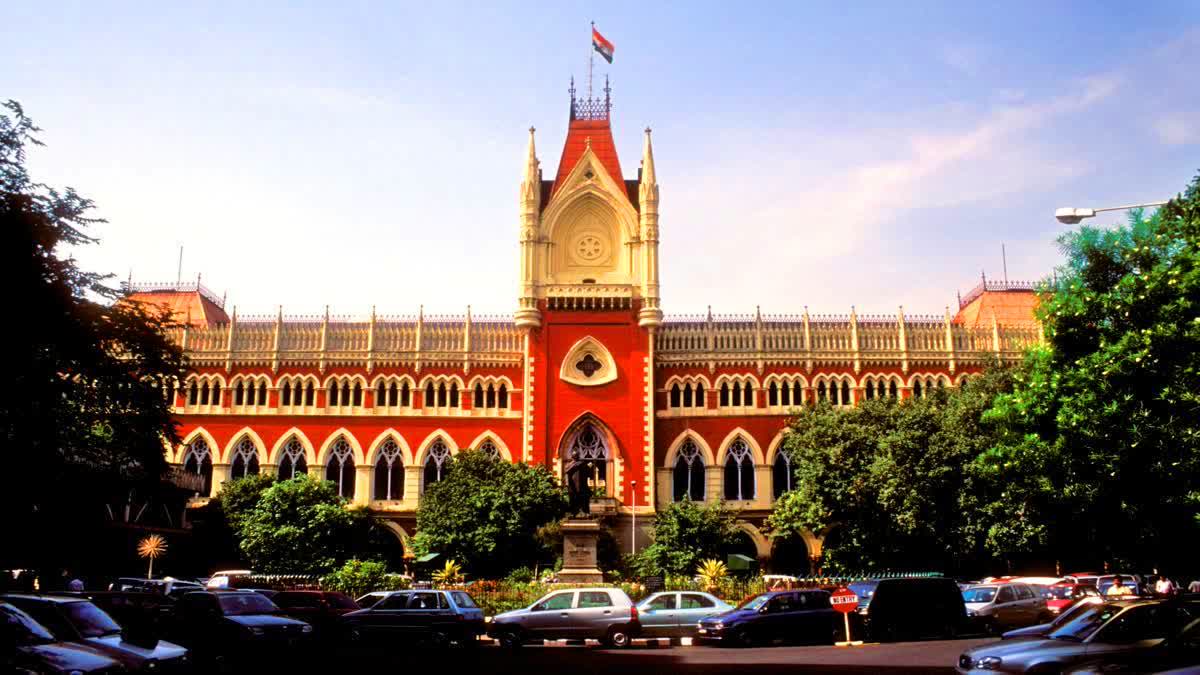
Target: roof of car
column 58, row 599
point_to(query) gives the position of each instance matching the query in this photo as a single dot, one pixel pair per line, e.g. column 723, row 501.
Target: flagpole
column 591, row 58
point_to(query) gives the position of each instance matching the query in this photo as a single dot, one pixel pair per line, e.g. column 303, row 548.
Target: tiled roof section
column 189, row 303
column 1010, row 306
column 579, row 133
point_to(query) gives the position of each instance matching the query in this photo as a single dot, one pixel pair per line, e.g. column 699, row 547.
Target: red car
column 321, row 609
column 1062, row 596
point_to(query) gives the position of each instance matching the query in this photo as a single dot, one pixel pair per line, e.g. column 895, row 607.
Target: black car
column 144, row 611
column 78, row 621
column 26, row 646
column 914, row 608
column 320, row 609
column 434, row 617
column 228, row 626
column 804, row 616
column 1179, row 651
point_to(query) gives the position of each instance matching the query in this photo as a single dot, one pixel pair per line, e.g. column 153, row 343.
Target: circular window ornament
column 589, row 247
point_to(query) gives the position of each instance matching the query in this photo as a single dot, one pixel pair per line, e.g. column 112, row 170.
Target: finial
column 588, row 141
column 958, row 294
column 531, row 130
column 647, row 131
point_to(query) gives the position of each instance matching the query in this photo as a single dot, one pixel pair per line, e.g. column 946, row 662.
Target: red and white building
column 672, row 406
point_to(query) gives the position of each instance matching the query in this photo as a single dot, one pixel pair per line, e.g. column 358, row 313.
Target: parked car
column 998, row 607
column 1132, row 581
column 914, row 608
column 367, row 601
column 320, row 609
column 28, row 646
column 1043, row 629
column 78, row 621
column 1104, row 630
column 169, row 587
column 604, row 614
column 1062, row 596
column 436, row 617
column 225, row 626
column 864, row 590
column 675, row 614
column 1179, row 651
column 140, row 610
column 227, row 579
column 803, row 616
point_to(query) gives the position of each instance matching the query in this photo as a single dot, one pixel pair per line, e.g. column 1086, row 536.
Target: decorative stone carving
column 588, row 364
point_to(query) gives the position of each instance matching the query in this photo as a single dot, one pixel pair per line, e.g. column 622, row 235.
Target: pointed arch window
column 773, row 394
column 389, row 471
column 193, row 393
column 846, row 400
column 676, row 396
column 340, row 469
column 489, row 448
column 405, row 395
column 893, row 390
column 782, row 478
column 916, row 389
column 292, row 460
column 589, row 445
column 688, row 401
column 437, row 463
column 797, row 393
column 381, row 394
column 502, row 397
column 478, row 400
column 285, row 394
column 245, row 459
column 724, row 401
column 429, row 395
column 739, row 471
column 689, row 473
column 238, row 393
column 747, row 394
column 198, row 460
column 333, row 394
column 262, row 393
column 699, row 401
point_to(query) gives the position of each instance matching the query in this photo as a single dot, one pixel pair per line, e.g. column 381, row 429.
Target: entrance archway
column 789, row 555
column 594, row 442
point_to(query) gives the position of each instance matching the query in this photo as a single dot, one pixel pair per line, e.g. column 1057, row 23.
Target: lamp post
column 633, row 529
column 1073, row 216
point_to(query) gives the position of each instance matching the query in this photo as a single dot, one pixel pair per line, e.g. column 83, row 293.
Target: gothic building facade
column 670, row 408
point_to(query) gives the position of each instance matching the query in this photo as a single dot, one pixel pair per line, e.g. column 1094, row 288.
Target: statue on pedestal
column 578, row 473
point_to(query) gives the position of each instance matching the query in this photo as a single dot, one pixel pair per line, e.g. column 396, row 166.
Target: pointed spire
column 648, row 175
column 531, row 183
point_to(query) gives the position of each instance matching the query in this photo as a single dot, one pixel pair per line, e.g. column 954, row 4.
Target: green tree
column 359, row 577
column 684, row 534
column 238, row 498
column 486, row 513
column 1103, row 429
column 84, row 413
column 300, row 526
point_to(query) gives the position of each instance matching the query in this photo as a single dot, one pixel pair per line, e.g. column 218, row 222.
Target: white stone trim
column 310, row 454
column 490, row 435
column 406, row 455
column 585, row 346
column 323, row 454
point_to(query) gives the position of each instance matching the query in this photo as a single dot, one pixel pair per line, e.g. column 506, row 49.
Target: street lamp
column 633, row 530
column 1070, row 216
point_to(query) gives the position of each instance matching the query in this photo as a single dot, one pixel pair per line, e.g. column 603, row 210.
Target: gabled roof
column 581, row 133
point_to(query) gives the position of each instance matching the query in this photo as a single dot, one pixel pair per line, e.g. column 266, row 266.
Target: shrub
column 359, row 577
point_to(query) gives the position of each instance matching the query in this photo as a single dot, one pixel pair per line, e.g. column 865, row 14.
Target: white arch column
column 362, row 484
column 220, row 475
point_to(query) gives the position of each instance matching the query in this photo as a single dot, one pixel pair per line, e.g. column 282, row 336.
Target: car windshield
column 90, row 620
column 1085, row 623
column 23, row 628
column 241, row 604
column 1061, row 592
column 863, row 590
column 979, row 594
column 755, row 603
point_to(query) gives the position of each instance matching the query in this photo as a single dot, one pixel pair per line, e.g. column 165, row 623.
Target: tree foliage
column 299, row 526
column 1103, row 428
column 359, row 577
column 486, row 513
column 685, row 533
column 84, row 406
column 238, row 498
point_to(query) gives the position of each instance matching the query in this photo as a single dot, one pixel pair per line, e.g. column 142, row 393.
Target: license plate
column 702, row 631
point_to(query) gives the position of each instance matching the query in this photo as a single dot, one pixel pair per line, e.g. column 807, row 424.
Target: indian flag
column 601, row 45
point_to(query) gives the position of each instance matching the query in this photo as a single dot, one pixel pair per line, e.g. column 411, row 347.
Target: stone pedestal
column 579, row 552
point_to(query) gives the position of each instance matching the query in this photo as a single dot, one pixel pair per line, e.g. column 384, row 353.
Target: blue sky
column 821, row 155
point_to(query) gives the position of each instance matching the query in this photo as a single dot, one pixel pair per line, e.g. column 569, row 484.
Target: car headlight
column 988, row 663
column 151, row 664
column 306, row 628
column 971, row 612
column 256, row 631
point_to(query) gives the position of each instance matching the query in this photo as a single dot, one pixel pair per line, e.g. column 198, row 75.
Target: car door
column 692, row 608
column 546, row 617
column 1136, row 629
column 594, row 613
column 660, row 615
column 427, row 612
column 780, row 612
column 1004, row 606
column 386, row 618
column 820, row 618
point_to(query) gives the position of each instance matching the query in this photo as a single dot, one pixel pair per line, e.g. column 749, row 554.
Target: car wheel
column 354, row 634
column 510, row 638
column 742, row 638
column 618, row 637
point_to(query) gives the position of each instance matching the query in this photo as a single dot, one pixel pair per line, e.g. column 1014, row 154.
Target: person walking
column 1164, row 586
column 1194, row 587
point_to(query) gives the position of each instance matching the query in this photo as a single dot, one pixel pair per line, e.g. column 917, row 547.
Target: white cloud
column 1177, row 129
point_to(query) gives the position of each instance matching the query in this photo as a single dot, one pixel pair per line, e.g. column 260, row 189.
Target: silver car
column 1104, row 630
column 604, row 614
column 676, row 614
column 999, row 607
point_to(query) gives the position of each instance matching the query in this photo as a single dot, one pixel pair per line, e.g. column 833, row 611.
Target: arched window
column 747, row 394
column 381, row 394
column 405, row 395
column 773, row 394
column 687, row 396
column 489, row 448
column 689, row 473
column 453, row 395
column 724, row 400
column 358, row 394
column 846, row 400
column 739, row 471
column 344, row 397
column 285, row 394
column 782, row 473
column 441, row 395
column 238, row 393
column 340, row 469
column 893, row 390
column 204, row 394
column 916, row 389
column 737, row 395
column 333, row 394
column 245, row 459
column 676, row 400
column 393, row 396
column 198, row 460
column 822, row 396
column 262, row 393
column 389, row 471
column 502, row 397
column 869, row 390
column 700, row 395
column 478, row 400
column 797, row 393
column 491, row 396
column 437, row 463
column 193, row 393
column 429, row 395
column 589, row 446
column 292, row 460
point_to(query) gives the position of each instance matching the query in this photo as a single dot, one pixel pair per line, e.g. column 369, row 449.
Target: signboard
column 654, row 584
column 844, row 600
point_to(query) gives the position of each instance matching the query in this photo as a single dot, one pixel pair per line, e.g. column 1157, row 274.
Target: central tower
column 589, row 306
